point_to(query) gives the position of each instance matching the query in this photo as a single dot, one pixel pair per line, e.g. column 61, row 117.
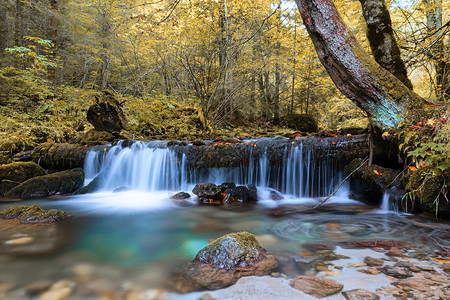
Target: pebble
column 152, row 294
column 83, row 270
column 357, row 264
column 58, row 294
column 38, row 287
column 20, row 241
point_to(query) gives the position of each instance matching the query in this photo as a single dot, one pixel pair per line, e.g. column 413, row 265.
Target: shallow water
column 138, row 239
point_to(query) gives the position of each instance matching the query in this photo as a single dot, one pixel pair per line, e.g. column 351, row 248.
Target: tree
column 357, row 75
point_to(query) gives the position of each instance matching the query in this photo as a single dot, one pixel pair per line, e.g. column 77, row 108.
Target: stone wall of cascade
column 152, row 166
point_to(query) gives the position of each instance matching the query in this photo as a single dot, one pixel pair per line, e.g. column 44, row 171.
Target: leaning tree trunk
column 382, row 41
column 357, row 75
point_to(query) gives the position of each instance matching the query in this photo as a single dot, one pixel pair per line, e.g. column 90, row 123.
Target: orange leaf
column 423, row 164
column 412, row 168
column 377, row 173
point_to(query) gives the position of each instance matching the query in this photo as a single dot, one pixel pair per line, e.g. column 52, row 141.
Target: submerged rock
column 207, row 190
column 33, row 214
column 316, row 286
column 64, row 182
column 15, row 173
column 360, row 294
column 222, row 262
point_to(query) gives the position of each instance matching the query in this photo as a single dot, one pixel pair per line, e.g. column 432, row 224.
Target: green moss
column 33, row 214
column 64, row 182
column 13, row 174
column 245, row 239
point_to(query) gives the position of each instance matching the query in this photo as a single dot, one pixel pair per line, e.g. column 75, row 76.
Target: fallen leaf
column 411, row 168
column 377, row 173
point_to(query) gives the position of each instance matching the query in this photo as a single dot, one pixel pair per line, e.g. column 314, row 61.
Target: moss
column 15, row 173
column 64, row 182
column 244, row 238
column 33, row 214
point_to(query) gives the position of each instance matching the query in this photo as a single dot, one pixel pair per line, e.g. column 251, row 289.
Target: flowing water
column 137, row 237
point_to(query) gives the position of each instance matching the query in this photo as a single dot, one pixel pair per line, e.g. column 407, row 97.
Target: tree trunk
column 357, row 75
column 4, row 30
column 382, row 41
column 18, row 24
column 53, row 35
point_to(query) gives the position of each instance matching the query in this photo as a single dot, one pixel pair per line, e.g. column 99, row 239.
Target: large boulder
column 106, row 114
column 222, row 262
column 64, row 182
column 33, row 214
column 13, row 174
column 300, row 122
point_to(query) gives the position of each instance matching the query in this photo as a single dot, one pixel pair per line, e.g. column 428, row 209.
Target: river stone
column 38, row 287
column 64, row 182
column 360, row 294
column 33, row 214
column 316, row 286
column 15, row 173
column 222, row 262
column 373, row 262
column 397, row 272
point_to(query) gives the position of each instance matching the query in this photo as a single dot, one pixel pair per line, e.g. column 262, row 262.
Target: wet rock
column 373, row 262
column 373, row 179
column 180, row 196
column 300, row 122
column 419, row 284
column 38, row 287
column 95, row 184
column 106, row 114
column 394, row 251
column 385, row 244
column 15, row 173
column 222, row 262
column 240, row 194
column 33, row 214
column 397, row 272
column 207, row 297
column 357, row 264
column 64, row 182
column 316, row 286
column 360, row 294
column 208, row 191
column 274, row 195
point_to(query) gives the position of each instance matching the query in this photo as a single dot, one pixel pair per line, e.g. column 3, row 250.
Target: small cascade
column 385, row 204
column 152, row 166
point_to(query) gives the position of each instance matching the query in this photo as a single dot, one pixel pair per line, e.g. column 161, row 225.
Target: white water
column 152, row 167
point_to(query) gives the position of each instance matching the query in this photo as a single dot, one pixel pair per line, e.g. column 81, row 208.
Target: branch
column 331, row 195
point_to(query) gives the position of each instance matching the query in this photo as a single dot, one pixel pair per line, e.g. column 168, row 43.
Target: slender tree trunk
column 4, row 31
column 357, row 75
column 291, row 108
column 381, row 38
column 18, row 23
column 53, row 36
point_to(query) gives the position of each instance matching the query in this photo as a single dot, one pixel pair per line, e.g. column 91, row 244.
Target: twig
column 331, row 195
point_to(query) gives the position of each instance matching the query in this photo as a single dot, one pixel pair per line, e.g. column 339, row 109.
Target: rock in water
column 15, row 173
column 64, row 182
column 223, row 262
column 316, row 286
column 360, row 294
column 33, row 214
column 106, row 114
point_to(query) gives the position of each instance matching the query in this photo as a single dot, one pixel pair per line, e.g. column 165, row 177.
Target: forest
column 301, row 144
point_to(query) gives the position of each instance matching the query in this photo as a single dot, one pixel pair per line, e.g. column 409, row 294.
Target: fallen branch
column 331, row 195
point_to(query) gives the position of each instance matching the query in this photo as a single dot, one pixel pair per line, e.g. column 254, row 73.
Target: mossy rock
column 300, row 122
column 15, row 173
column 426, row 186
column 374, row 179
column 94, row 185
column 33, row 214
column 94, row 137
column 231, row 251
column 58, row 156
column 65, row 182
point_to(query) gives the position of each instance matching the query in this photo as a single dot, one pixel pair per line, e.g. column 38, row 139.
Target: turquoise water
column 145, row 246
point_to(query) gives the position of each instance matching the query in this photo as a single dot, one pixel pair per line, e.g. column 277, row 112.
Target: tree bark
column 381, row 38
column 357, row 75
column 53, row 35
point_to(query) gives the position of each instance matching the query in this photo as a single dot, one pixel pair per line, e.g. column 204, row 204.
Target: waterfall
column 152, row 166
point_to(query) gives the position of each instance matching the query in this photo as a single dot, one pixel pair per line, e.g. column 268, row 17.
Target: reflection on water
column 143, row 245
